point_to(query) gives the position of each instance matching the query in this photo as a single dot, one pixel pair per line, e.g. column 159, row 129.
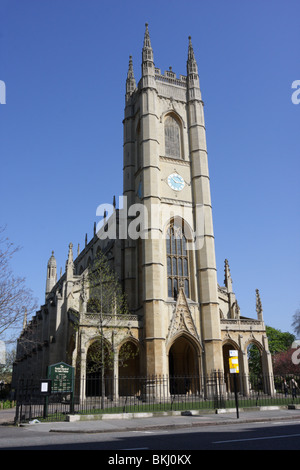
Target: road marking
column 257, row 438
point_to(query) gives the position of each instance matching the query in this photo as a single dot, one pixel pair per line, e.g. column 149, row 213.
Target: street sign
column 234, row 369
column 62, row 377
column 233, row 362
column 46, row 387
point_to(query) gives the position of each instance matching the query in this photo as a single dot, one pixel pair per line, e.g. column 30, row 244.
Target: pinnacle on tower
column 192, row 74
column 148, row 68
column 147, row 45
column 259, row 309
column 191, row 62
column 227, row 280
column 51, row 273
column 130, row 81
column 69, row 263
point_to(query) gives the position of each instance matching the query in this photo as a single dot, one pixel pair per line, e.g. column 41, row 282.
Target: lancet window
column 177, row 261
column 172, row 138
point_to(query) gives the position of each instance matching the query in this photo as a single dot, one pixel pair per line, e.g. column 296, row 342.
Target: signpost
column 234, row 369
column 45, row 391
column 60, row 380
column 62, row 377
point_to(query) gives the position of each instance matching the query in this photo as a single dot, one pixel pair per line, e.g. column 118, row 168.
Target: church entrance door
column 183, row 367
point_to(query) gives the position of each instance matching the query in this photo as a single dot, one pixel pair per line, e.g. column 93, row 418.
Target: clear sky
column 64, row 64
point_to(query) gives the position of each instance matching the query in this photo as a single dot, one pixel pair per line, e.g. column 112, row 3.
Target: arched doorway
column 129, row 368
column 228, row 377
column 255, row 367
column 97, row 354
column 183, row 367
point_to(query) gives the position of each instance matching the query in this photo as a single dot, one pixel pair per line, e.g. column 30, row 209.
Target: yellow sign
column 233, row 362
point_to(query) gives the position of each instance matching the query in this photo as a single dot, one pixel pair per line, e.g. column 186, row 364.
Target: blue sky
column 64, row 63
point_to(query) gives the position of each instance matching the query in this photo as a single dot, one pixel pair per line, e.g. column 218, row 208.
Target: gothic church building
column 181, row 322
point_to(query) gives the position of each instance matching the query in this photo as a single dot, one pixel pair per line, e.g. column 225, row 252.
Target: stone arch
column 228, row 345
column 257, row 368
column 129, row 364
column 173, row 136
column 177, row 116
column 260, row 377
column 184, row 364
column 94, row 357
column 129, row 367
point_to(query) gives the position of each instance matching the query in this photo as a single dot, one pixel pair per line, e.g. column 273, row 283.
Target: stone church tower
column 182, row 322
column 166, row 169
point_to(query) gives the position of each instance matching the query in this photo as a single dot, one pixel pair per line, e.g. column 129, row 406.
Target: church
column 181, row 322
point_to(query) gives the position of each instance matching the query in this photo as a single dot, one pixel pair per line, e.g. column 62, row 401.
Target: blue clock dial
column 176, row 182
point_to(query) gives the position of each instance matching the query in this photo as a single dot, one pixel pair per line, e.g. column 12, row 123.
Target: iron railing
column 93, row 395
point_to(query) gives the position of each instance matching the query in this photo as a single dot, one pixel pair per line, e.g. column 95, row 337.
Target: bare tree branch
column 15, row 297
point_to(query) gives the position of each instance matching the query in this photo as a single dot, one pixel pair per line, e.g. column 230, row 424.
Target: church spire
column 130, row 81
column 192, row 74
column 148, row 68
column 147, row 48
column 191, row 62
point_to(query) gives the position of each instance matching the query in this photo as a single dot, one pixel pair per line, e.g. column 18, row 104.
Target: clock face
column 176, row 182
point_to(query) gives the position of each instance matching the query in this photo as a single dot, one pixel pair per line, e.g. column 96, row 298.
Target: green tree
column 278, row 342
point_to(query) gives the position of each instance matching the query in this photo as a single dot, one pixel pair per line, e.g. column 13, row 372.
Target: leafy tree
column 278, row 342
column 254, row 360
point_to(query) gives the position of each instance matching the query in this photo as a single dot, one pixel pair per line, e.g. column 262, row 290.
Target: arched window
column 172, row 138
column 177, row 261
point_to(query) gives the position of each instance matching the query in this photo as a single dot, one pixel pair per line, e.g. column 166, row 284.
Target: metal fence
column 94, row 395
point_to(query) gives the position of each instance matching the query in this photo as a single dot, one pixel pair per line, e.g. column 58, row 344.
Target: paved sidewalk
column 156, row 421
column 7, row 416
